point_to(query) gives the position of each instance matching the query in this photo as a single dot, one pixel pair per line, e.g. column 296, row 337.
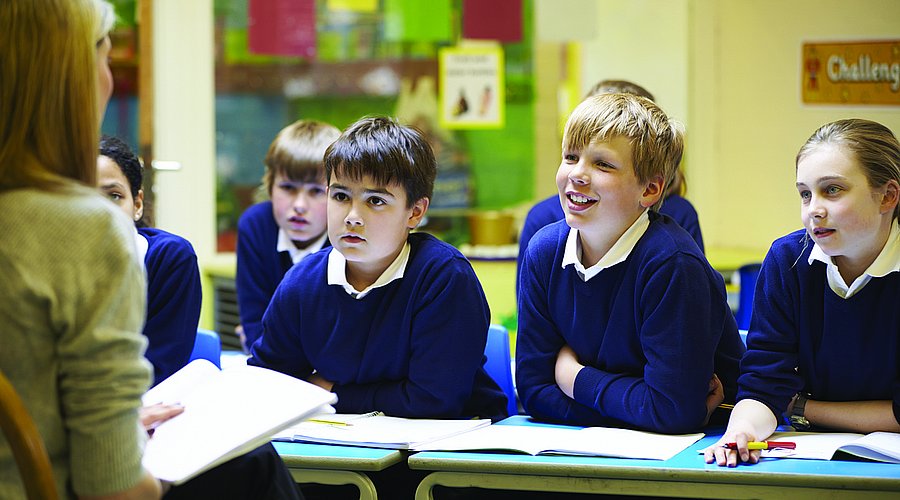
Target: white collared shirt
column 142, row 246
column 888, row 261
column 618, row 253
column 285, row 244
column 337, row 272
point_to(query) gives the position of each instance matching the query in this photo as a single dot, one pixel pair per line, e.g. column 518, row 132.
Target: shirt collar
column 887, row 261
column 142, row 246
column 285, row 244
column 620, row 250
column 337, row 272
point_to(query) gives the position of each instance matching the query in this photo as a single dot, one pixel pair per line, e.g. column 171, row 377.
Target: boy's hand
column 320, row 381
column 152, row 416
column 567, row 368
column 715, row 396
column 239, row 331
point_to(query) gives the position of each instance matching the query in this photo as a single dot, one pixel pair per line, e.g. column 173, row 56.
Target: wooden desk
column 336, row 465
column 685, row 475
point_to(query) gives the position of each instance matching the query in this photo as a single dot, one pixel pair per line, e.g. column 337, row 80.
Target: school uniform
column 410, row 345
column 813, row 333
column 649, row 321
column 550, row 210
column 263, row 258
column 173, row 300
column 173, row 313
column 682, row 212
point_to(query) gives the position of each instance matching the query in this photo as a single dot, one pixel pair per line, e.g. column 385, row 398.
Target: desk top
column 724, row 259
column 686, row 466
column 326, row 456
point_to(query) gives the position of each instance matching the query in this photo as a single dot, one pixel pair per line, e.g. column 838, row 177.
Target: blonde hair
column 298, row 152
column 618, row 87
column 656, row 141
column 49, row 127
column 873, row 145
column 679, row 184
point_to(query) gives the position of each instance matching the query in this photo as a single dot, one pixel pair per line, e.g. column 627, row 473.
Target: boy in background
column 388, row 320
column 622, row 321
column 275, row 234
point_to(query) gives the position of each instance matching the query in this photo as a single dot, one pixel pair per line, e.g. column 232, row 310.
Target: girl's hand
column 750, row 421
column 567, row 368
column 725, row 456
column 152, row 416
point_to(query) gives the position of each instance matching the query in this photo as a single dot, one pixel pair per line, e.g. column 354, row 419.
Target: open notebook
column 590, row 441
column 374, row 430
column 226, row 414
column 877, row 446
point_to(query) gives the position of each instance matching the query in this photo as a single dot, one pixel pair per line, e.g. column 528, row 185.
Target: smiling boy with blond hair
column 622, row 321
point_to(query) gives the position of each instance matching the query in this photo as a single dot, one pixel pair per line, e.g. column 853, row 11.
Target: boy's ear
column 891, row 196
column 653, row 191
column 139, row 205
column 418, row 212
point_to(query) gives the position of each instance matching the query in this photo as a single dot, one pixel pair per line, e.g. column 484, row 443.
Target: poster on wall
column 851, row 73
column 282, row 28
column 472, row 93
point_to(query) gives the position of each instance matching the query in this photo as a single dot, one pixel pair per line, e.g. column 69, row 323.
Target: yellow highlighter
column 764, row 445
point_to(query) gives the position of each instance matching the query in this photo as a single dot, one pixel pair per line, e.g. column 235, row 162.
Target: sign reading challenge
column 851, row 73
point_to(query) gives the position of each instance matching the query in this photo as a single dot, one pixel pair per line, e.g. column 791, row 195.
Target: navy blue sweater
column 260, row 266
column 842, row 349
column 173, row 301
column 549, row 210
column 412, row 348
column 651, row 331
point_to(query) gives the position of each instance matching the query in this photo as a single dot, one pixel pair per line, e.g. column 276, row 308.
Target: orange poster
column 851, row 72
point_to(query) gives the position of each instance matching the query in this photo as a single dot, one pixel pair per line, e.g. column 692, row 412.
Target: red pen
column 764, row 445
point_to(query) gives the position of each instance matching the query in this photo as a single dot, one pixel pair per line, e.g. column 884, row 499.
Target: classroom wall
column 184, row 124
column 731, row 71
column 755, row 113
column 645, row 41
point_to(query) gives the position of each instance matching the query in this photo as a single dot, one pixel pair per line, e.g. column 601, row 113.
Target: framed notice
column 472, row 93
column 851, row 73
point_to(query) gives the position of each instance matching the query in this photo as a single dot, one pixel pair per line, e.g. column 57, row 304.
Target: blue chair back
column 498, row 364
column 748, row 274
column 207, row 346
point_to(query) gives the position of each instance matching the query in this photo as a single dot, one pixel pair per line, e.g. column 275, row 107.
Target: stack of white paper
column 377, row 431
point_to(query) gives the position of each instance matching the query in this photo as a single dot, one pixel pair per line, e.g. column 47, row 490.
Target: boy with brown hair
column 388, row 320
